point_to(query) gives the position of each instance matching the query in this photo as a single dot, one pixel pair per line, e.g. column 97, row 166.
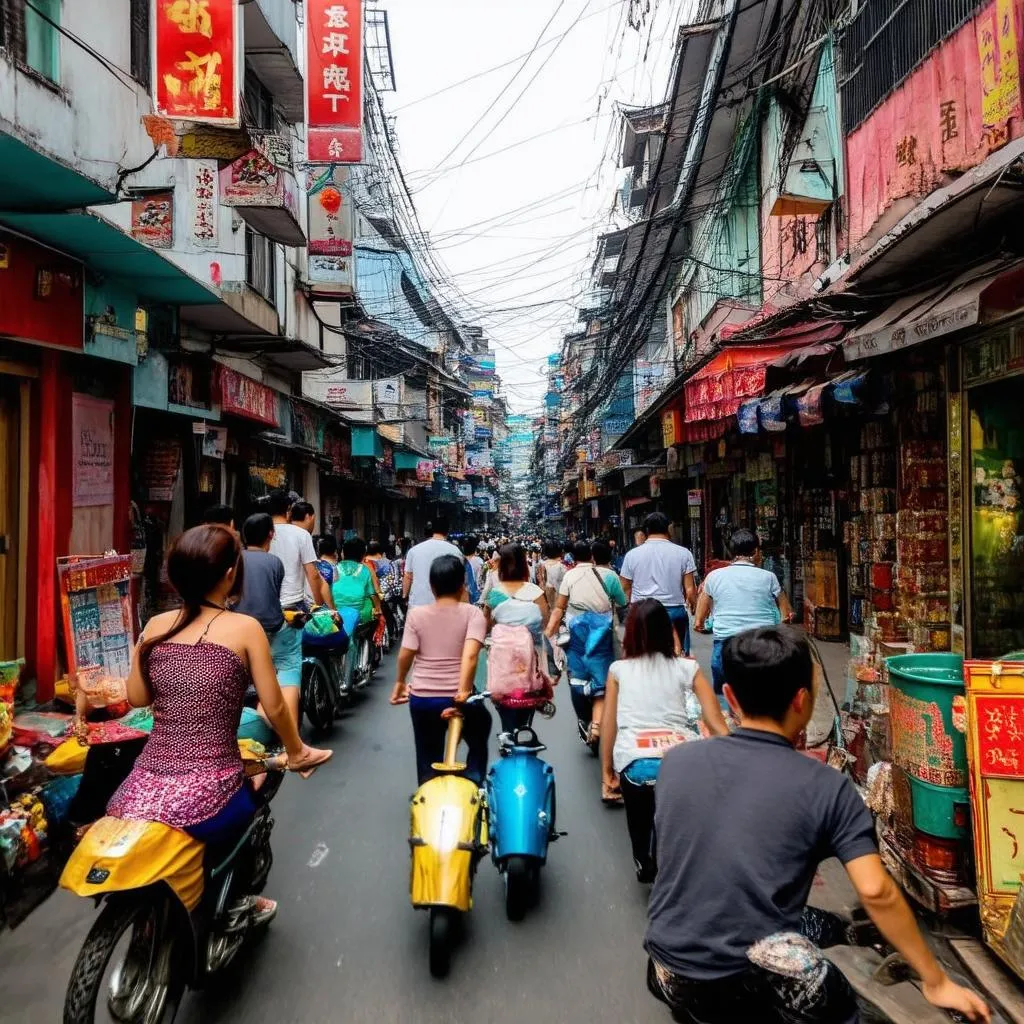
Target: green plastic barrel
column 925, row 743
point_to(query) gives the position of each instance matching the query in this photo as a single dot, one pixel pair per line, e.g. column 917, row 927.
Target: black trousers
column 639, row 806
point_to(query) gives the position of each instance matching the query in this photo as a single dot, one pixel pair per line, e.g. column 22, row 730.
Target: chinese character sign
column 334, row 81
column 195, row 70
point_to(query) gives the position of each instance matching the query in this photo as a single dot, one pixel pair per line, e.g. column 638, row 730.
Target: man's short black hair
column 326, row 545
column 301, row 510
column 656, row 522
column 470, row 545
column 278, row 503
column 766, row 668
column 447, row 575
column 601, row 551
column 354, row 549
column 440, row 525
column 373, row 547
column 744, row 543
column 256, row 529
column 553, row 549
column 581, row 551
column 222, row 514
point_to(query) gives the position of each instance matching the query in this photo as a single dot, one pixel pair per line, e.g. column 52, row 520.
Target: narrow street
column 348, row 946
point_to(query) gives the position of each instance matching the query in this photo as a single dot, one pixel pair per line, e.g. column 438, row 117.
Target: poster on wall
column 215, row 442
column 160, row 471
column 334, row 81
column 153, row 220
column 92, row 427
column 195, row 61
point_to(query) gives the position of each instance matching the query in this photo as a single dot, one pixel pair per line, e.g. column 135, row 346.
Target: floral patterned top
column 191, row 767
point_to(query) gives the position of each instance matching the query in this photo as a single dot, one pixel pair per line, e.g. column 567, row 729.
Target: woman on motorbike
column 653, row 701
column 587, row 597
column 514, row 601
column 441, row 646
column 355, row 590
column 193, row 666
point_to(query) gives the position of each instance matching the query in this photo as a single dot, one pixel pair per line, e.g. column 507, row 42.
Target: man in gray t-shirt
column 416, row 583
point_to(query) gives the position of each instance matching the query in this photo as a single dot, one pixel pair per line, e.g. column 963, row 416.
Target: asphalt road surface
column 347, row 946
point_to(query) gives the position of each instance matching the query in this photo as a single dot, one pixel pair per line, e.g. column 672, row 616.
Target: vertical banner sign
column 334, row 81
column 329, row 245
column 196, row 60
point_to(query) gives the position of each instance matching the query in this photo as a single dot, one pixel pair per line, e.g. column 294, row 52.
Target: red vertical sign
column 195, row 60
column 334, row 81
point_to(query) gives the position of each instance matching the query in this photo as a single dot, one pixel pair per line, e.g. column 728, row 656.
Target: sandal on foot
column 611, row 796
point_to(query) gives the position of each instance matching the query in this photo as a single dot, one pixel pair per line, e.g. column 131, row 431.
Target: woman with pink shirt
column 441, row 645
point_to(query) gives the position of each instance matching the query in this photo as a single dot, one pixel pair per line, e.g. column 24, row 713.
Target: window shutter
column 140, row 41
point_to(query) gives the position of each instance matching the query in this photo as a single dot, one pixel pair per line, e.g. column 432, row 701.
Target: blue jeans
column 681, row 624
column 717, row 670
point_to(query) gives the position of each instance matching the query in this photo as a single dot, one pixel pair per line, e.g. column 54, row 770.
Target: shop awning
column 981, row 295
column 105, row 248
column 30, row 180
column 737, row 373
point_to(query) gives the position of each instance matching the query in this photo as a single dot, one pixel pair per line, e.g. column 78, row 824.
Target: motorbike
column 521, row 805
column 362, row 657
column 448, row 837
column 173, row 912
column 326, row 686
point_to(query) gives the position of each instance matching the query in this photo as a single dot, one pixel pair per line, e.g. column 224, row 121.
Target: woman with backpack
column 513, row 600
column 587, row 597
column 653, row 701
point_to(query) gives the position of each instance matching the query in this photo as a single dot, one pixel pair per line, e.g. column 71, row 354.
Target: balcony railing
column 885, row 41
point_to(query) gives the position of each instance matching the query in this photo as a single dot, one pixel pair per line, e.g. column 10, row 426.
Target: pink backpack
column 512, row 668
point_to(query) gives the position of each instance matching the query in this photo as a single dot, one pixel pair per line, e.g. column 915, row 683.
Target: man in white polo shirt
column 663, row 570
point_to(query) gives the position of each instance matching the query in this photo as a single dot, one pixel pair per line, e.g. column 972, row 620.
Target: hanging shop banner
column 339, row 451
column 334, row 81
column 92, row 424
column 464, row 491
column 387, row 397
column 425, row 470
column 252, row 180
column 160, row 469
column 248, row 398
column 329, row 227
column 204, row 201
column 153, row 220
column 477, row 461
column 195, row 60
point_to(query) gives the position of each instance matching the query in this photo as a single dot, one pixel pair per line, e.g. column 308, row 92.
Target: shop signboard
column 479, row 460
column 464, row 491
column 334, row 81
column 333, row 388
column 245, row 397
column 331, row 257
column 204, row 200
column 152, row 220
column 96, row 606
column 339, row 450
column 92, row 425
column 425, row 470
column 215, row 441
column 252, row 180
column 671, row 428
column 196, row 65
column 387, row 397
column 307, row 427
column 994, row 725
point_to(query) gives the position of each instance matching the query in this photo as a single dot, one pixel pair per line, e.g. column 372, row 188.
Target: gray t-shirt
column 418, row 563
column 656, row 569
column 261, row 589
column 743, row 821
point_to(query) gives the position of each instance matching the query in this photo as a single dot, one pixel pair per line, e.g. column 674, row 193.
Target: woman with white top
column 653, row 701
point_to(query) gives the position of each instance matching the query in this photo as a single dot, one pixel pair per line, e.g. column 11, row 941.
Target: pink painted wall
column 932, row 126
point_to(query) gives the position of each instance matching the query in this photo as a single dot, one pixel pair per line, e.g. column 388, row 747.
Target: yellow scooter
column 170, row 918
column 448, row 836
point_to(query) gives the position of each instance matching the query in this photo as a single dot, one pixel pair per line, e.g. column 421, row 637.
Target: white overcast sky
column 557, row 125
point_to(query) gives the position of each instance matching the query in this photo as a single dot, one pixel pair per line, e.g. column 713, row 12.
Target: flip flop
column 611, row 797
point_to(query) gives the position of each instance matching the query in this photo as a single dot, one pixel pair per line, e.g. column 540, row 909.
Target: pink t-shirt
column 437, row 633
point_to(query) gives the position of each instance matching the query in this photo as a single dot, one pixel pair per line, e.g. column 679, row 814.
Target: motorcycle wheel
column 520, row 884
column 145, row 986
column 317, row 699
column 442, row 932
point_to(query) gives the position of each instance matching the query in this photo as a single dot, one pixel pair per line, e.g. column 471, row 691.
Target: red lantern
column 330, row 200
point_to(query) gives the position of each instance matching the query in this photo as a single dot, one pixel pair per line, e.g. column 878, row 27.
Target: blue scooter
column 521, row 803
